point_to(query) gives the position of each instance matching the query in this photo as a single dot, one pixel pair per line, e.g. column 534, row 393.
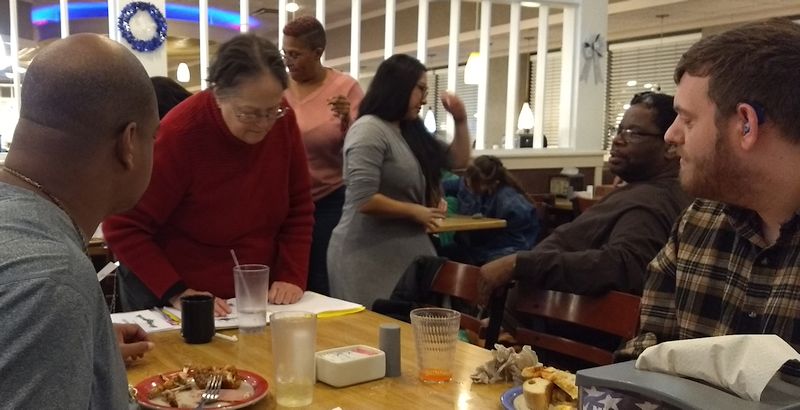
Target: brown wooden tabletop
column 467, row 223
column 253, row 353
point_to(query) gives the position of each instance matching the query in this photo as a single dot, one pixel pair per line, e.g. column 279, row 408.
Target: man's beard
column 718, row 177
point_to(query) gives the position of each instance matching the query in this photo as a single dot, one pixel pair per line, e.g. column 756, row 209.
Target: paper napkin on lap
column 742, row 364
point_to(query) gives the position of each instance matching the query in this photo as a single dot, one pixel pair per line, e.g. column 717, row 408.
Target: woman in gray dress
column 392, row 170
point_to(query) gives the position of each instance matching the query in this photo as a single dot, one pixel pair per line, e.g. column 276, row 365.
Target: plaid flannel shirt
column 718, row 276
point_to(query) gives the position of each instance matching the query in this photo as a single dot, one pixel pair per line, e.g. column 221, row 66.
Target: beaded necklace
column 52, row 199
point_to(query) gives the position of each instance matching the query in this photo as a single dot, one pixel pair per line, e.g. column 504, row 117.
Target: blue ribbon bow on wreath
column 124, row 25
column 593, row 50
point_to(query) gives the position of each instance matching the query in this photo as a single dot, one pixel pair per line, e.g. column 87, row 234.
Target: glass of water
column 293, row 346
column 252, row 285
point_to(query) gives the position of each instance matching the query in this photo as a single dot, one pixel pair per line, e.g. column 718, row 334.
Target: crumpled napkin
column 742, row 364
column 506, row 365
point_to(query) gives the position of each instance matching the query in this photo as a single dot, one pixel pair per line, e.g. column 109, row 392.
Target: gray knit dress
column 368, row 253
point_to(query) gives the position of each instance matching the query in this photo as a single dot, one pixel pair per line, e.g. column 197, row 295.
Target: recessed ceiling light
column 292, row 7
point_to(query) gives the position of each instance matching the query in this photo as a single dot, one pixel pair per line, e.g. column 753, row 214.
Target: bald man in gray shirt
column 82, row 150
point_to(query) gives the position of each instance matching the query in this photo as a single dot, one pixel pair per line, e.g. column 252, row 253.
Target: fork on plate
column 212, row 391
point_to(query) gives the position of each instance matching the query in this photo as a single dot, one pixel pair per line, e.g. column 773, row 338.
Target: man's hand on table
column 495, row 274
column 132, row 340
column 284, row 293
column 221, row 307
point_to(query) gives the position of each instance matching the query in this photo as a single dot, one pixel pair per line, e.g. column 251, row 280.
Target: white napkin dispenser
column 345, row 366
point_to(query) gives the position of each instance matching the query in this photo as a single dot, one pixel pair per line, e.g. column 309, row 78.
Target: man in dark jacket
column 608, row 246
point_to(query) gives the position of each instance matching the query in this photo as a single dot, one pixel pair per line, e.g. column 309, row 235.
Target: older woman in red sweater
column 229, row 172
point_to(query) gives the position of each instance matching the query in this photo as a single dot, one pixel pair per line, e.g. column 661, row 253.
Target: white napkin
column 506, row 365
column 743, row 364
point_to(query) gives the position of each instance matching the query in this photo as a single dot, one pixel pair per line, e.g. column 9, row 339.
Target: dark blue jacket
column 484, row 246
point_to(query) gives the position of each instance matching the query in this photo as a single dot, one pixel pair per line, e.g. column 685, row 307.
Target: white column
column 283, row 17
column 14, row 45
column 513, row 75
column 63, row 9
column 483, row 85
column 422, row 31
column 204, row 58
column 355, row 39
column 569, row 73
column 155, row 62
column 452, row 57
column 541, row 73
column 320, row 14
column 244, row 16
column 112, row 20
column 389, row 28
column 581, row 106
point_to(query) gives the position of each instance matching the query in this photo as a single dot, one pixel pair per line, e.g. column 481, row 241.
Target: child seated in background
column 489, row 190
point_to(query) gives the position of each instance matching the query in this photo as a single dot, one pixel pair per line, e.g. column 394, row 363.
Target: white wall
column 583, row 101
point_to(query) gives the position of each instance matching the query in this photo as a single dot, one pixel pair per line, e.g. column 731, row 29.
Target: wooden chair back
column 614, row 313
column 544, row 204
column 461, row 280
column 581, row 204
column 603, row 190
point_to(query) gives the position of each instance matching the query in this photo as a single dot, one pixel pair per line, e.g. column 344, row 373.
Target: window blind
column 437, row 86
column 639, row 66
column 552, row 94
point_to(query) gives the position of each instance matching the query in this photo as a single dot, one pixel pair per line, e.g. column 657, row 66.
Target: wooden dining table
column 468, row 223
column 253, row 353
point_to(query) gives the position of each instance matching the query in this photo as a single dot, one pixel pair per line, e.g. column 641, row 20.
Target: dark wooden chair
column 545, row 204
column 603, row 190
column 461, row 280
column 581, row 204
column 614, row 313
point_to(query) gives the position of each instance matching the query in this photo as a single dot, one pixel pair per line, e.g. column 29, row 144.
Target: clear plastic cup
column 435, row 336
column 293, row 347
column 252, row 284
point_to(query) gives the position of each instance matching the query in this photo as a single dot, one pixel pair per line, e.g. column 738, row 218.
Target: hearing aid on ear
column 746, row 128
column 759, row 109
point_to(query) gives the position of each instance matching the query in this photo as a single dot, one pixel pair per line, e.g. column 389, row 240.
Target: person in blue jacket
column 488, row 189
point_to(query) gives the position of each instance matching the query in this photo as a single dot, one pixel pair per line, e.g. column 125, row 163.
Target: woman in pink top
column 325, row 102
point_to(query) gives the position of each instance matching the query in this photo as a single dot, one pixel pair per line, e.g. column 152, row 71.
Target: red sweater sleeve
column 294, row 238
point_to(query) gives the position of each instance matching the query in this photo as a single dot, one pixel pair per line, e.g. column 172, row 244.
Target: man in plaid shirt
column 732, row 262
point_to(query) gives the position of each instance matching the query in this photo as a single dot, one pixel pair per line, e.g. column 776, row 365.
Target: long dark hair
column 488, row 168
column 387, row 98
column 168, row 94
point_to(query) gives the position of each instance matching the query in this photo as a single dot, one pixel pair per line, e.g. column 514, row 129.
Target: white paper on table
column 743, row 364
column 323, row 306
column 151, row 321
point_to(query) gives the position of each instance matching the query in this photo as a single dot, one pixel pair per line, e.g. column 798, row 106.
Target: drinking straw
column 238, row 272
column 235, row 259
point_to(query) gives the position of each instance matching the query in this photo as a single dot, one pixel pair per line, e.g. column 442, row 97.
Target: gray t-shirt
column 57, row 345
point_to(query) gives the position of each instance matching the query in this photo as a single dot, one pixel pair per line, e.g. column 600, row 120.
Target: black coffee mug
column 197, row 318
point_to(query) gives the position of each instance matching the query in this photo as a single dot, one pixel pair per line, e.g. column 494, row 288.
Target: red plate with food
column 182, row 389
